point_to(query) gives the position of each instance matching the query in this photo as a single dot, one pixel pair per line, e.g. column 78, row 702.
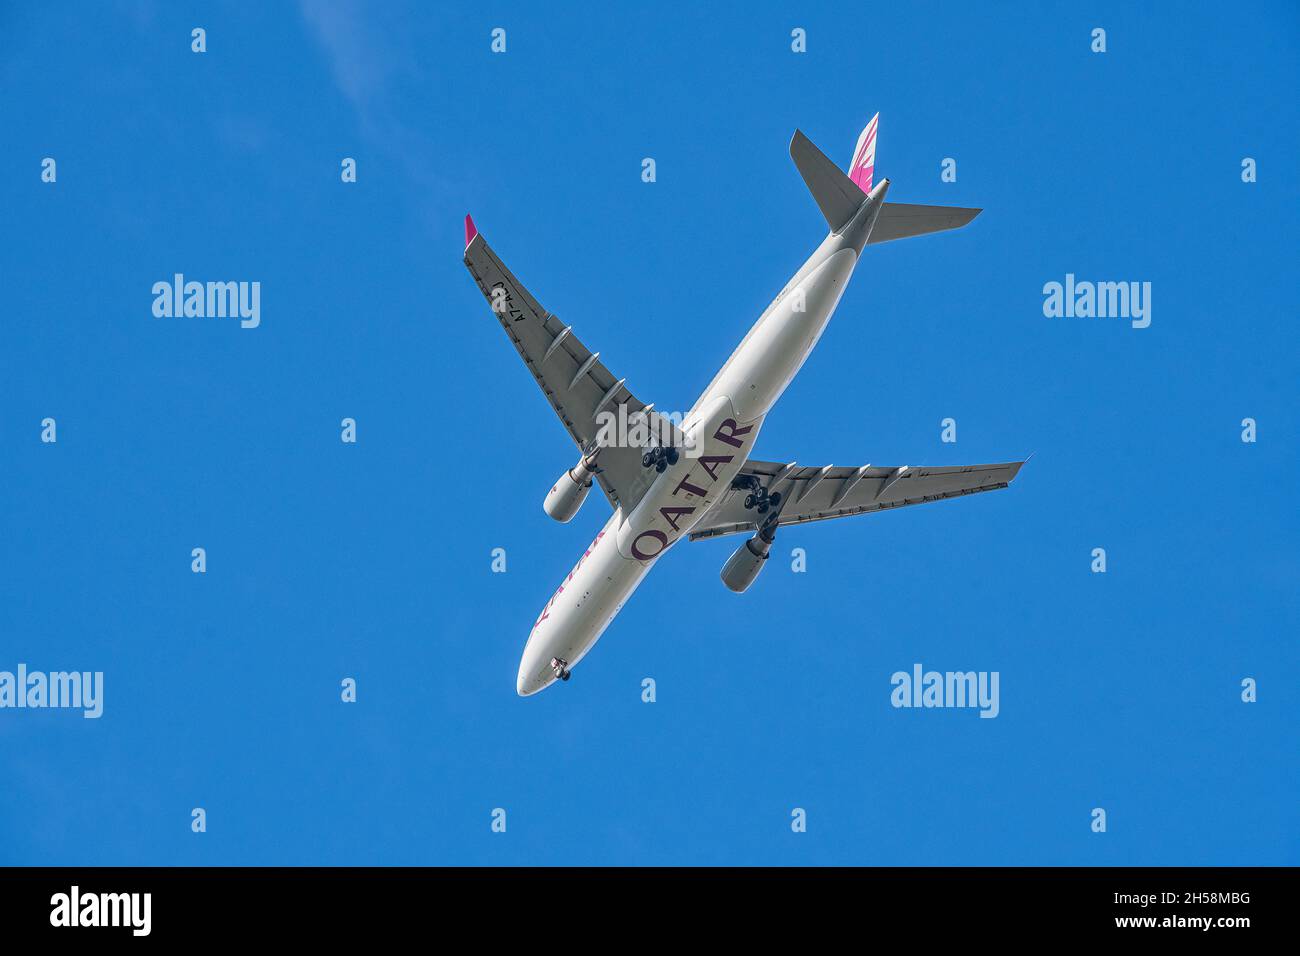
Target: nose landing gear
column 561, row 667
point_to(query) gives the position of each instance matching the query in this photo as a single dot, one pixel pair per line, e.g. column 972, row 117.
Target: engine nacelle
column 570, row 490
column 742, row 567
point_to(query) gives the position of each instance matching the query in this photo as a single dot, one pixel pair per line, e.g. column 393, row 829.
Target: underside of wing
column 811, row 493
column 576, row 383
column 900, row 220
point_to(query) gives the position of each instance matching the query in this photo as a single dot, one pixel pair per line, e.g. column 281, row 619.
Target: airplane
column 699, row 480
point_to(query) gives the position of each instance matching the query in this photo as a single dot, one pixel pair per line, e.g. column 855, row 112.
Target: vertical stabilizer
column 836, row 195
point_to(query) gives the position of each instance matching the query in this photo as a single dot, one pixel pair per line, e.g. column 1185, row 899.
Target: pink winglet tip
column 470, row 231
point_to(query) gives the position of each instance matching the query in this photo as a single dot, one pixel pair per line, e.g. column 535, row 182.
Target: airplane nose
column 529, row 684
column 531, row 677
column 535, row 670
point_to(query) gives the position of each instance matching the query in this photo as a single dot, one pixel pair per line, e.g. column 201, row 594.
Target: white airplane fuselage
column 723, row 425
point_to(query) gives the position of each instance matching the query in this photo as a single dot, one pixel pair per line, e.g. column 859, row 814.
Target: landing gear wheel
column 762, row 509
column 647, row 460
column 775, row 499
column 672, row 456
column 749, row 502
column 661, row 466
column 565, row 675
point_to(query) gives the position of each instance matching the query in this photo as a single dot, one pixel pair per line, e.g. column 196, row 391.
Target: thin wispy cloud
column 369, row 61
column 361, row 59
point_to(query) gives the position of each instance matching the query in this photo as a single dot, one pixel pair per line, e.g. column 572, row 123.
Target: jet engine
column 742, row 567
column 570, row 490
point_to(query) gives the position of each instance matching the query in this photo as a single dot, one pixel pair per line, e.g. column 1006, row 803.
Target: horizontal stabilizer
column 838, row 197
column 899, row 220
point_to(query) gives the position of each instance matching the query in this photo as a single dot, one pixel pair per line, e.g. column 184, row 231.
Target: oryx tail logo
column 864, row 156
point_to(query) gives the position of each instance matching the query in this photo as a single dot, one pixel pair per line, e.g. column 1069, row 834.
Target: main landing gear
column 660, row 458
column 757, row 499
column 561, row 667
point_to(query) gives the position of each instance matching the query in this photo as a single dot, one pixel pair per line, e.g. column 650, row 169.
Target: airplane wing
column 816, row 494
column 571, row 376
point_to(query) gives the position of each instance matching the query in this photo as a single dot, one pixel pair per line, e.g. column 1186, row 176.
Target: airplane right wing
column 571, row 376
column 816, row 494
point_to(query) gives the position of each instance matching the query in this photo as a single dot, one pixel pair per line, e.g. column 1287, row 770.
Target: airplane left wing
column 811, row 493
column 572, row 377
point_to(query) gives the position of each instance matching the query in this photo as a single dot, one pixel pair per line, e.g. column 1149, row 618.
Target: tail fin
column 838, row 197
column 864, row 156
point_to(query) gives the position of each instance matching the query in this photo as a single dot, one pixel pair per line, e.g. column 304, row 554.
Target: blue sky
column 372, row 561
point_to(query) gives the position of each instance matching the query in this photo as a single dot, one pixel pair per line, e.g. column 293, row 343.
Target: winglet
column 470, row 231
column 864, row 157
